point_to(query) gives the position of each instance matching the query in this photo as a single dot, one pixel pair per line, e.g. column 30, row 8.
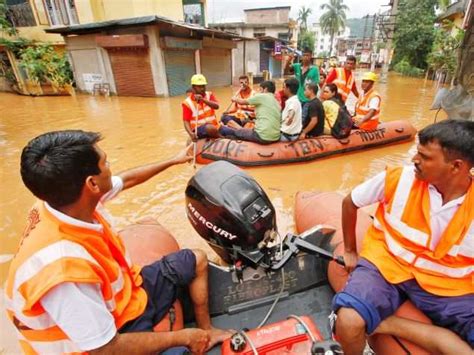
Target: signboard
column 277, row 49
column 90, row 79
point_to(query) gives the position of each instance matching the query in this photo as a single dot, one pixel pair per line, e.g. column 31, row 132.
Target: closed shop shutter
column 132, row 71
column 180, row 68
column 216, row 65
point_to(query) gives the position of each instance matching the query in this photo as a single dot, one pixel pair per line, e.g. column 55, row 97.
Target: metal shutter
column 180, row 68
column 264, row 58
column 132, row 71
column 216, row 65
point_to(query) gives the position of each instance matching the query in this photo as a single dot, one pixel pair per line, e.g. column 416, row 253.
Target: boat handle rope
column 344, row 141
column 263, row 155
column 399, row 129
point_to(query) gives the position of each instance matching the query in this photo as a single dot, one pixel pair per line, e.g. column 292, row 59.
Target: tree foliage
column 443, row 56
column 306, row 41
column 334, row 19
column 303, row 15
column 414, row 32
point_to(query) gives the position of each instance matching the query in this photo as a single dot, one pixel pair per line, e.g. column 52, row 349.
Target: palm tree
column 303, row 15
column 334, row 19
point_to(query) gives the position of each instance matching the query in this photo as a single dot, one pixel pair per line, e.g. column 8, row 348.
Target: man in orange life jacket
column 344, row 78
column 367, row 107
column 199, row 107
column 420, row 247
column 72, row 287
column 238, row 115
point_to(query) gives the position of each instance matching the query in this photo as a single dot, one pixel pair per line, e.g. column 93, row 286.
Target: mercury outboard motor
column 231, row 211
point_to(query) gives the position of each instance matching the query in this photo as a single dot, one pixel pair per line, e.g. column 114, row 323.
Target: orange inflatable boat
column 314, row 208
column 253, row 154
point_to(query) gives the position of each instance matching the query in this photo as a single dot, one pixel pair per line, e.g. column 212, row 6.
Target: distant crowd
column 310, row 104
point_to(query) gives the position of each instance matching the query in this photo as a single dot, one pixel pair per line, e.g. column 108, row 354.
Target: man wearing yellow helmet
column 367, row 107
column 199, row 107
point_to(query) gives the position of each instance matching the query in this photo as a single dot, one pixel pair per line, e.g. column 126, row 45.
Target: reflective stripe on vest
column 202, row 113
column 248, row 109
column 53, row 252
column 362, row 105
column 399, row 243
column 344, row 86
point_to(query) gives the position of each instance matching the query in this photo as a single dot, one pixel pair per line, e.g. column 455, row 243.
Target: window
column 61, row 12
column 20, row 14
column 321, row 47
column 283, row 36
column 258, row 34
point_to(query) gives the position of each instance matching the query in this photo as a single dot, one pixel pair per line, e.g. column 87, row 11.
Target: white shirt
column 373, row 191
column 292, row 109
column 79, row 308
column 374, row 103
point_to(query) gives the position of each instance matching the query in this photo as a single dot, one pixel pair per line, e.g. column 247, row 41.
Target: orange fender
column 254, row 154
column 312, row 208
column 147, row 242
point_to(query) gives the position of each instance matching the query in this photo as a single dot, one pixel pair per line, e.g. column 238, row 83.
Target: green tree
column 414, row 32
column 334, row 19
column 446, row 44
column 303, row 15
column 5, row 24
column 306, row 40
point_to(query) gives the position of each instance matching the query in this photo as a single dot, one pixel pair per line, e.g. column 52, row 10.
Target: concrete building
column 32, row 17
column 266, row 30
column 322, row 43
column 147, row 56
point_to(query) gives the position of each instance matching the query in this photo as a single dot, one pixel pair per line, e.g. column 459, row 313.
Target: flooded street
column 142, row 130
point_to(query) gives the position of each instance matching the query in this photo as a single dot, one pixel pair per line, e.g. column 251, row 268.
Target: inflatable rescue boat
column 253, row 154
column 273, row 290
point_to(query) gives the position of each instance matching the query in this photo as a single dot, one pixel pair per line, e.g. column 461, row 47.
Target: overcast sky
column 220, row 10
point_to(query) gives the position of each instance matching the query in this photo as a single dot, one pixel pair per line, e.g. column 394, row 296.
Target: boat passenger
column 71, row 286
column 313, row 113
column 344, row 78
column 238, row 115
column 420, row 247
column 291, row 123
column 305, row 72
column 332, row 102
column 267, row 120
column 199, row 114
column 367, row 107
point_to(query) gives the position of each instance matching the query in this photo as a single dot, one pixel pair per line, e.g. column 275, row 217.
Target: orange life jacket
column 241, row 111
column 399, row 240
column 52, row 252
column 344, row 84
column 362, row 108
column 202, row 113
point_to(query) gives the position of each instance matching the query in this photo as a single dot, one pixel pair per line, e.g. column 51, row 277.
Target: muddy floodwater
column 142, row 130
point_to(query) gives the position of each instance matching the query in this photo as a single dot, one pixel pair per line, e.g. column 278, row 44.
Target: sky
column 220, row 10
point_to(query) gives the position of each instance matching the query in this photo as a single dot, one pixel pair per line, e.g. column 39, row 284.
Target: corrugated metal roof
column 137, row 21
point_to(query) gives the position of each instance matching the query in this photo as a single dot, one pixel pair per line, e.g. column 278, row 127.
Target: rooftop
column 269, row 8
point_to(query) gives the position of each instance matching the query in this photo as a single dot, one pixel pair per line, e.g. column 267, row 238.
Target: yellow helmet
column 370, row 76
column 198, row 79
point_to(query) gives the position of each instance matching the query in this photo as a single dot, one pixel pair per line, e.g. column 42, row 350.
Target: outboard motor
column 231, row 211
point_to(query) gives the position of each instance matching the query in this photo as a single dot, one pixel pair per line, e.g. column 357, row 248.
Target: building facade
column 322, row 43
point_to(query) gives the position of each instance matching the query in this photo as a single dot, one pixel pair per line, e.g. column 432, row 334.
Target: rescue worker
column 367, row 107
column 305, row 73
column 344, row 78
column 71, row 286
column 240, row 114
column 199, row 114
column 420, row 247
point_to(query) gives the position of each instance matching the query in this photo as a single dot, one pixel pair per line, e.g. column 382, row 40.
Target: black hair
column 351, row 58
column 292, row 84
column 55, row 165
column 455, row 137
column 312, row 87
column 244, row 77
column 333, row 88
column 269, row 85
column 307, row 50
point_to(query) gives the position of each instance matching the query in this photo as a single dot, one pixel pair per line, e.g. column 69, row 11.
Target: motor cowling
column 229, row 209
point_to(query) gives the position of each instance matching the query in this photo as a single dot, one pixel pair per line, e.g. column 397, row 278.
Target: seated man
column 367, row 107
column 267, row 121
column 71, row 286
column 199, row 107
column 238, row 115
column 420, row 247
column 291, row 124
column 313, row 113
